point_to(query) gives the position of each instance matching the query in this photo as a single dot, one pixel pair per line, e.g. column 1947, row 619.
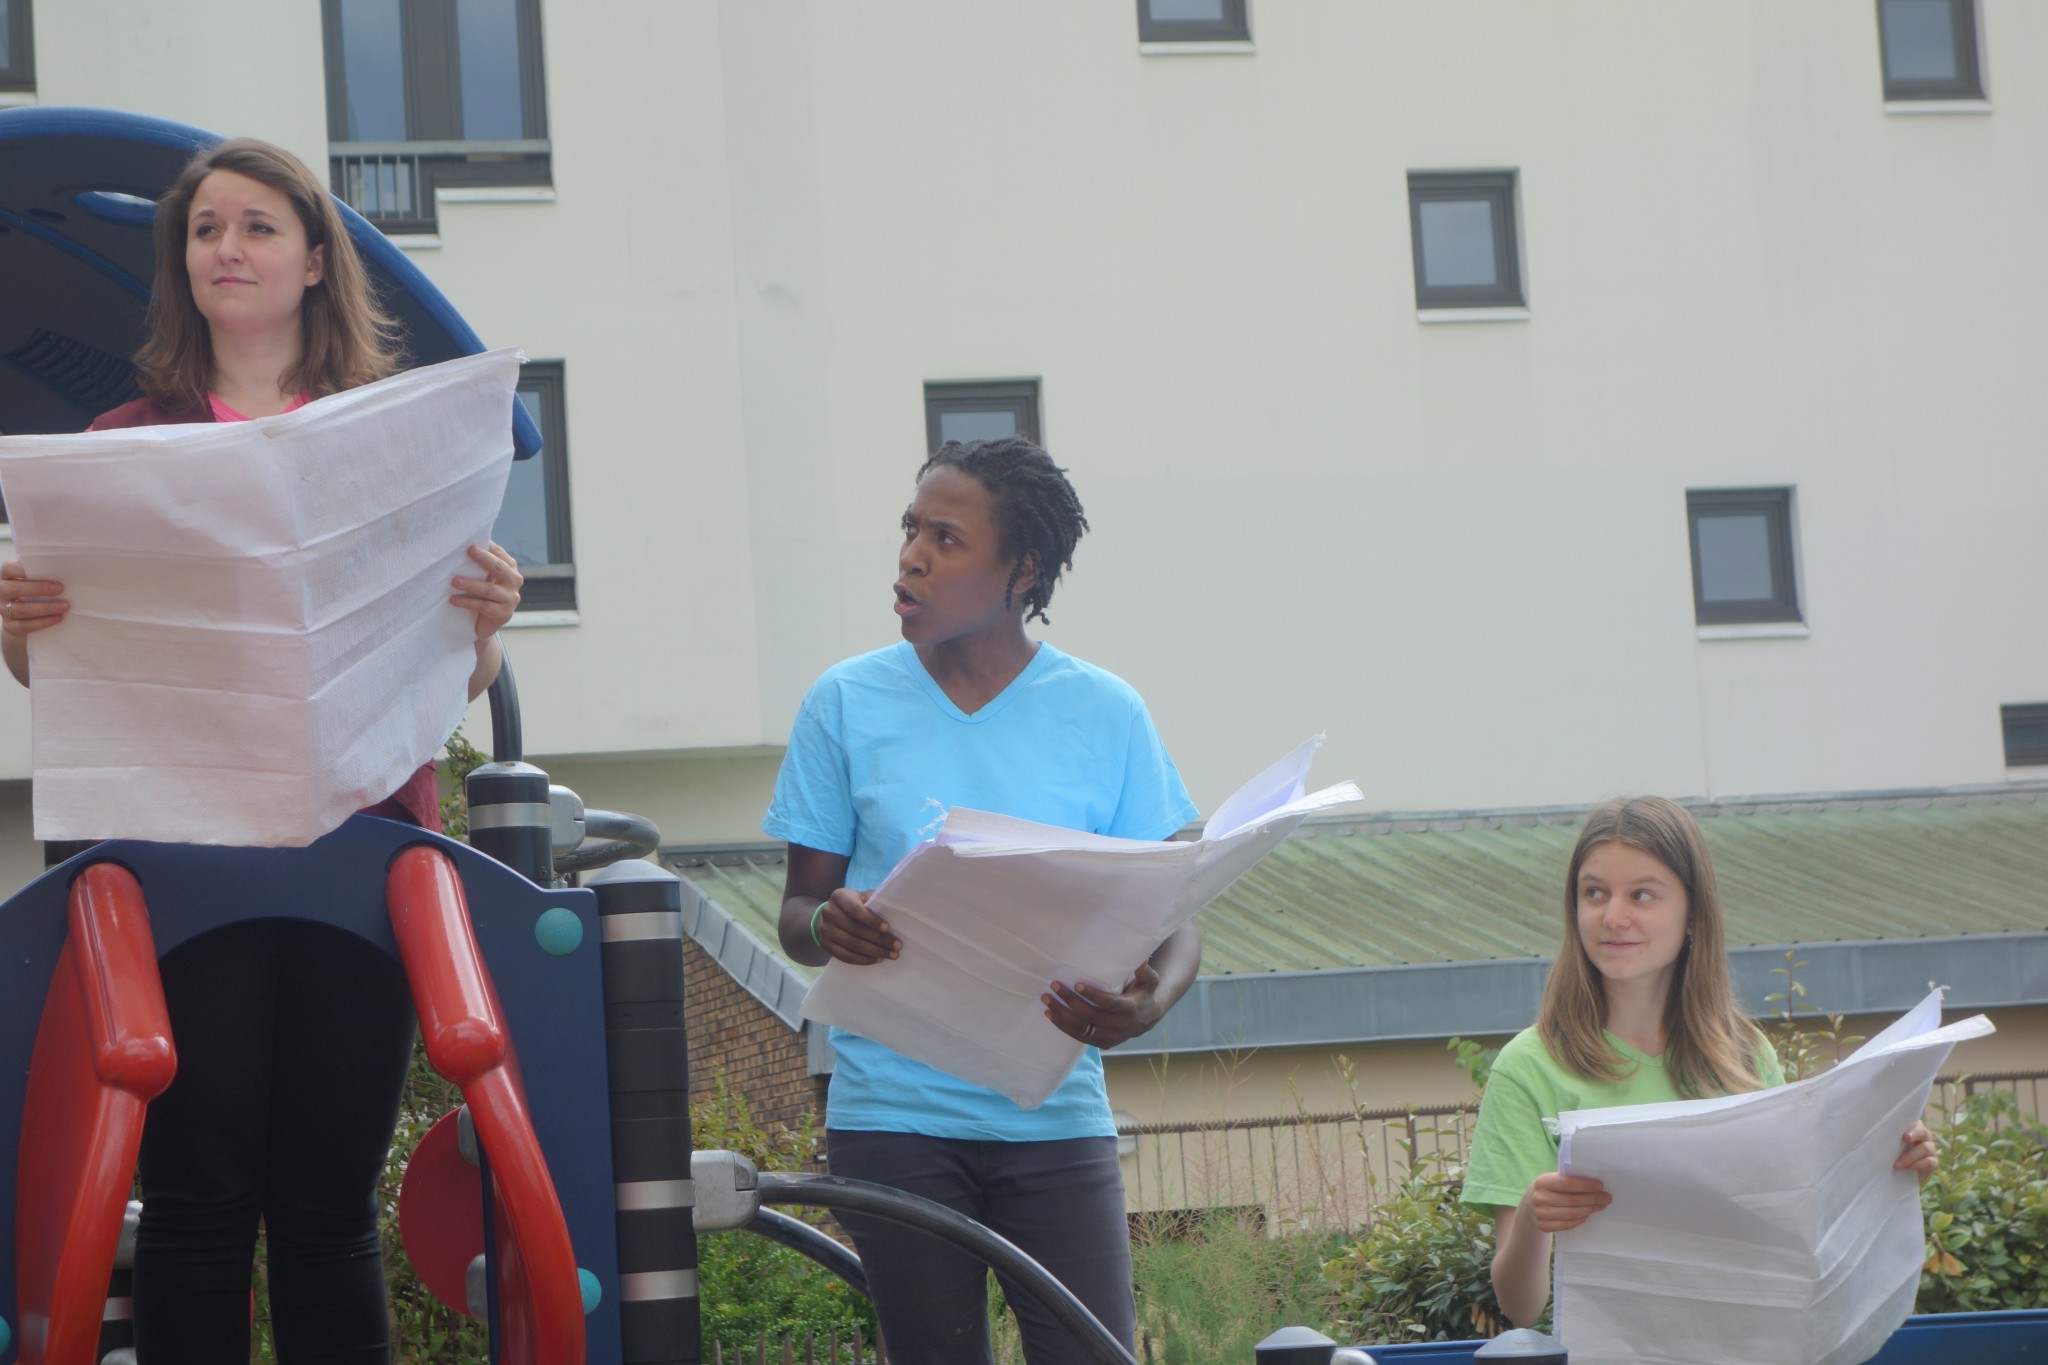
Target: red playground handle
column 103, row 1052
column 540, row 1295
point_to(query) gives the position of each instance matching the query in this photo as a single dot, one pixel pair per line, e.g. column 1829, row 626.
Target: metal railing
column 1320, row 1172
column 2029, row 1089
column 393, row 183
column 381, row 186
column 1299, row 1172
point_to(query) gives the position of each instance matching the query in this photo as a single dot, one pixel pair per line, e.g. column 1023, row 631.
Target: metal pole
column 511, row 820
column 639, row 909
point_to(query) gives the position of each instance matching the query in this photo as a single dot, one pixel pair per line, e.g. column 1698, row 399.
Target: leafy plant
column 751, row 1286
column 1987, row 1210
column 459, row 758
column 1424, row 1269
column 1807, row 1042
column 1474, row 1059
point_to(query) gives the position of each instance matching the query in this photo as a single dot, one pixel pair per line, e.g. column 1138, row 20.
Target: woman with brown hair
column 1638, row 1010
column 292, row 1037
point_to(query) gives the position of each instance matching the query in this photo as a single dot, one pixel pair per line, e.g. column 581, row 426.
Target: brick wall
column 763, row 1057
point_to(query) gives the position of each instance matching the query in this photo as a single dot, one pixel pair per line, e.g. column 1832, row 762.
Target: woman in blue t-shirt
column 970, row 711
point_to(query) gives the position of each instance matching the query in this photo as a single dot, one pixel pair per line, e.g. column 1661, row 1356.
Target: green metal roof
column 1474, row 888
column 1429, row 925
column 1478, row 888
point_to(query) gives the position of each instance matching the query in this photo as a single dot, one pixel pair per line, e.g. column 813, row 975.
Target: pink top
column 223, row 413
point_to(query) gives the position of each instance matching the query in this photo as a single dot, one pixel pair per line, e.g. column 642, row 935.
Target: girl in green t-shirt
column 1638, row 1009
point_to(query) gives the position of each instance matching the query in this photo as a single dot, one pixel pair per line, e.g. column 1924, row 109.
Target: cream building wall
column 1460, row 549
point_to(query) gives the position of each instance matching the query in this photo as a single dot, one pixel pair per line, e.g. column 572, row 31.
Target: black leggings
column 292, row 1040
column 1062, row 1203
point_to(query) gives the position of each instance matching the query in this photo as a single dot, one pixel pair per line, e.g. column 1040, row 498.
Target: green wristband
column 815, row 915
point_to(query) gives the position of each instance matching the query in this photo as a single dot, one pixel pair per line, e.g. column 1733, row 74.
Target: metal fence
column 1294, row 1173
column 1327, row 1172
column 381, row 187
column 2029, row 1089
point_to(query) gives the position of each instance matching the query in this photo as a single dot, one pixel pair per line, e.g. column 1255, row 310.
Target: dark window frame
column 20, row 73
column 1775, row 504
column 1234, row 27
column 981, row 395
column 1968, row 82
column 2023, row 716
column 1501, row 190
column 435, row 152
column 551, row 586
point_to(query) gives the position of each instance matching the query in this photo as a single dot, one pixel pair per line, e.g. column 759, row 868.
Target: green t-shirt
column 1512, row 1146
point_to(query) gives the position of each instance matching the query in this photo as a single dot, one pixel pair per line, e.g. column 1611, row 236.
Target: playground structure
column 548, row 1006
column 557, row 1010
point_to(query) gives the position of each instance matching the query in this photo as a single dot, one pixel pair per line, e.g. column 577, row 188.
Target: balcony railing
column 393, row 184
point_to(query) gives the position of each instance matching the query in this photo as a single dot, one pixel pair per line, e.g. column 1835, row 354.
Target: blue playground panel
column 553, row 1002
column 2015, row 1338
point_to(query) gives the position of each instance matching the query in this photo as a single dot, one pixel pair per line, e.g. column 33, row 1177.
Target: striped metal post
column 117, row 1325
column 511, row 820
column 639, row 908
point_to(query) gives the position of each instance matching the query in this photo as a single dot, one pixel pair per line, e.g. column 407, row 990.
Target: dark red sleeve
column 418, row 802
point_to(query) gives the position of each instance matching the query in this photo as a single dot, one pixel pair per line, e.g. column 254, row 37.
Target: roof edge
column 1434, row 1000
column 759, row 969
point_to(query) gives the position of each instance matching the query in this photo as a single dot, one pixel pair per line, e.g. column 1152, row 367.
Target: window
column 432, row 94
column 2026, row 733
column 1193, row 21
column 1742, row 555
column 534, row 522
column 980, row 411
column 1930, row 49
column 1463, row 227
column 17, row 47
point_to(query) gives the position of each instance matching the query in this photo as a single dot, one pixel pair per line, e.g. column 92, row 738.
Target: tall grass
column 1212, row 1287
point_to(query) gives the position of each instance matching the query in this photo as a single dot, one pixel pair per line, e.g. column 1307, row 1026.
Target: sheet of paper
column 260, row 640
column 1767, row 1228
column 993, row 910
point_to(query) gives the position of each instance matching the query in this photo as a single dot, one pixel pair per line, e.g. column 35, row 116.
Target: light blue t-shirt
column 878, row 755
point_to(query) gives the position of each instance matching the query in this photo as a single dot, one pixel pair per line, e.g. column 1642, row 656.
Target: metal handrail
column 998, row 1253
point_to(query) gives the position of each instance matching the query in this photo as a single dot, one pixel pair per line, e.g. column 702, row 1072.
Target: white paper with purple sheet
column 1768, row 1228
column 994, row 909
column 260, row 640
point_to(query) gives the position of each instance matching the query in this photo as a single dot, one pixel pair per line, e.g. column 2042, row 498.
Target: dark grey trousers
column 1062, row 1203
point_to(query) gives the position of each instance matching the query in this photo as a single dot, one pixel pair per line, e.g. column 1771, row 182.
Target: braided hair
column 1036, row 509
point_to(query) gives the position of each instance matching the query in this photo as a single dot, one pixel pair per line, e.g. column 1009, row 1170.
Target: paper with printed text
column 1768, row 1227
column 992, row 910
column 260, row 640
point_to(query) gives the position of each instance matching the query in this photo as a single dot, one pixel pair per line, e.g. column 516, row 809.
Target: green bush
column 1987, row 1210
column 749, row 1285
column 1424, row 1269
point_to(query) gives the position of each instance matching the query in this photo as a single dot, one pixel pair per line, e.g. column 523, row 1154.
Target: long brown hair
column 345, row 339
column 1712, row 1047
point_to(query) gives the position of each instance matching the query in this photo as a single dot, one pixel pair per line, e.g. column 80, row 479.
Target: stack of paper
column 260, row 639
column 994, row 910
column 1768, row 1228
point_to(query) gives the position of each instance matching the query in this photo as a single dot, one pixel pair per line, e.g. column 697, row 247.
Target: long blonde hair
column 345, row 339
column 1712, row 1047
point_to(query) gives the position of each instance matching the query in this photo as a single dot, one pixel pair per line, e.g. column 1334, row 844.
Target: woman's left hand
column 1919, row 1156
column 1101, row 1019
column 495, row 596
